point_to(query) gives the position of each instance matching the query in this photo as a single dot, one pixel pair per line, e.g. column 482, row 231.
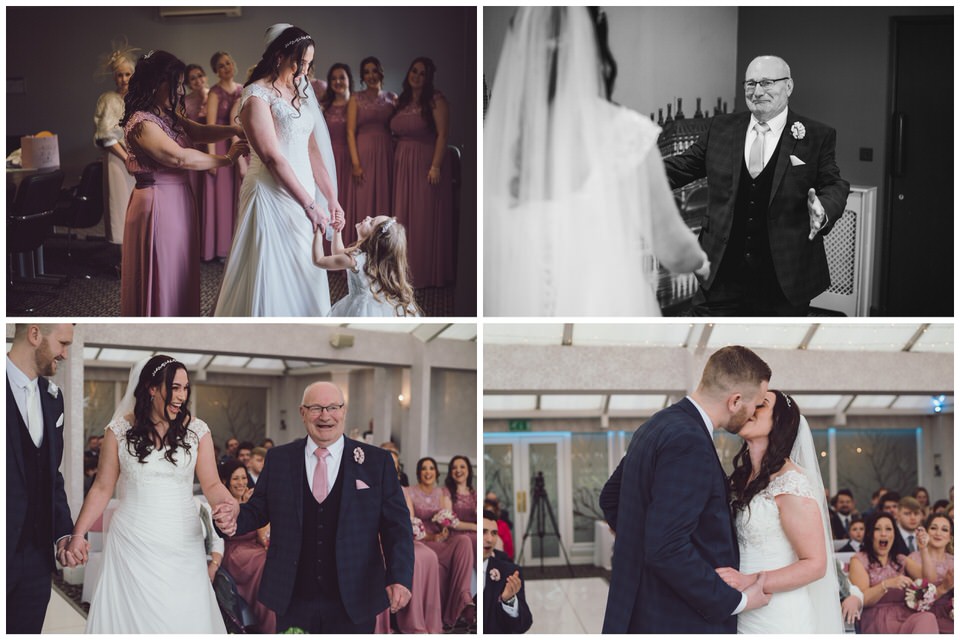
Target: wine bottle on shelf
column 724, row 107
column 680, row 115
column 669, row 109
column 716, row 109
column 653, row 117
column 660, row 118
column 698, row 113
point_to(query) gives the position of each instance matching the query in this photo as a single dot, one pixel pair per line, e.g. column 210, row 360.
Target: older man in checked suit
column 667, row 502
column 342, row 548
column 774, row 192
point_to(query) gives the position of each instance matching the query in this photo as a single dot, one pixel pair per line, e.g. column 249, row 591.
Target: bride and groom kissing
column 698, row 552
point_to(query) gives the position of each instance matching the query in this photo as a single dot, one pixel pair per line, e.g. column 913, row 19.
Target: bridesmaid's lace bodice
column 878, row 572
column 465, row 506
column 763, row 543
column 942, row 567
column 138, row 161
column 425, row 505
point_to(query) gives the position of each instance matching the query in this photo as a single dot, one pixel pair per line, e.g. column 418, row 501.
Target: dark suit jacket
column 800, row 264
column 836, row 526
column 369, row 518
column 673, row 530
column 16, row 480
column 495, row 619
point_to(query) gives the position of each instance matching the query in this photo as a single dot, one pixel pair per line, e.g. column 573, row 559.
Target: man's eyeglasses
column 317, row 409
column 765, row 84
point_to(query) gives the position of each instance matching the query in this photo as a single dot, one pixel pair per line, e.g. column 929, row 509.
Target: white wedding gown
column 764, row 547
column 270, row 270
column 154, row 577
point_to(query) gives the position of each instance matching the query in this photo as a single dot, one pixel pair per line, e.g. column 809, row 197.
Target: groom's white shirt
column 709, row 423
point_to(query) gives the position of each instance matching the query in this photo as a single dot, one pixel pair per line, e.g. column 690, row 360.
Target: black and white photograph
column 718, row 161
column 241, row 161
column 241, row 478
column 697, row 478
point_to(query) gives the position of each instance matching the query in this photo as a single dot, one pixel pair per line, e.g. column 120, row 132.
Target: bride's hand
column 735, row 579
column 76, row 551
column 339, row 220
column 851, row 607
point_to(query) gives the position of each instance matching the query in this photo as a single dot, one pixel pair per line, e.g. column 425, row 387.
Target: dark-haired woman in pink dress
column 454, row 552
column 334, row 101
column 371, row 146
column 160, row 273
column 221, row 186
column 423, row 187
column 195, row 106
column 462, row 497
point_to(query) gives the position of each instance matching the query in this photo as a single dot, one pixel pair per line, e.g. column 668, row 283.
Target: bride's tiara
column 386, row 226
column 162, row 365
column 786, row 399
column 296, row 40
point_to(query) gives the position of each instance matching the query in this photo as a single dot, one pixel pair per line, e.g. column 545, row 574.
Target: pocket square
column 362, row 485
column 60, row 421
column 796, row 162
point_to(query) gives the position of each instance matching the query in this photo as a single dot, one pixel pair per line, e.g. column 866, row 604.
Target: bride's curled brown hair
column 783, row 433
column 158, row 373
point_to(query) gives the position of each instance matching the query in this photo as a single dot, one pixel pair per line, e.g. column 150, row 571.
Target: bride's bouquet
column 446, row 518
column 418, row 531
column 920, row 595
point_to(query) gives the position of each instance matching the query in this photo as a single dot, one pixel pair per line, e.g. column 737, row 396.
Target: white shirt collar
column 335, row 449
column 777, row 123
column 703, row 414
column 17, row 377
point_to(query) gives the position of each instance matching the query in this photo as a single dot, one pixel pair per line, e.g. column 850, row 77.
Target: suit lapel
column 13, row 431
column 736, row 161
column 348, row 468
column 299, row 471
column 48, row 405
column 787, row 145
column 692, row 411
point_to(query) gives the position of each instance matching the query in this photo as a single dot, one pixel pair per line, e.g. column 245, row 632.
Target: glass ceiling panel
column 460, row 331
column 89, row 353
column 637, row 402
column 872, row 402
column 775, row 336
column 189, row 359
column 523, row 333
column 272, row 364
column 124, row 355
column 921, row 403
column 509, row 403
column 229, row 361
column 819, row 402
column 862, row 337
column 649, row 335
column 392, row 327
column 937, row 338
column 570, row 403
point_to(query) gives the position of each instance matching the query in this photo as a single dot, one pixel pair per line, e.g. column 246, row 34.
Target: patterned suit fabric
column 495, row 619
column 800, row 264
column 368, row 517
column 673, row 529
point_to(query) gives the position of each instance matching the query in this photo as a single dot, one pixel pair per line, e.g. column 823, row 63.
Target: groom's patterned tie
column 34, row 413
column 320, row 488
column 755, row 165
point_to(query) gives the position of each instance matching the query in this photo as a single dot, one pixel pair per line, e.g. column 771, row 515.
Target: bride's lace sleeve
column 119, row 426
column 792, row 482
column 198, row 428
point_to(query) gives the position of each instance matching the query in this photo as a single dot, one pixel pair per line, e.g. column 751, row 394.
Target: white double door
column 512, row 465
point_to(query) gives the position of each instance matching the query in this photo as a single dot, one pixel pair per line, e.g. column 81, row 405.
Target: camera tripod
column 538, row 514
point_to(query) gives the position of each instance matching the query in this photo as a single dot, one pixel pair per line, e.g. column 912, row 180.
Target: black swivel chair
column 29, row 222
column 237, row 614
column 82, row 206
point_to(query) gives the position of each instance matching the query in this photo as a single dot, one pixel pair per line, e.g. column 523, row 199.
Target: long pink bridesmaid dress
column 375, row 148
column 220, row 191
column 336, row 117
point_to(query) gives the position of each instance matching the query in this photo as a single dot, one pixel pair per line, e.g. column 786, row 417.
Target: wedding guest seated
column 505, row 607
column 909, row 516
column 875, row 502
column 889, row 503
column 856, row 531
column 504, row 537
column 923, row 497
column 90, row 463
column 883, row 572
column 257, row 457
column 843, row 509
column 940, row 506
column 391, row 446
column 231, row 449
column 939, row 530
column 267, row 443
column 454, row 552
column 245, row 555
column 244, row 451
column 461, row 498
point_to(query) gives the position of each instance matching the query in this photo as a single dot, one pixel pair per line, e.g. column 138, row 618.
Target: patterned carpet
column 93, row 285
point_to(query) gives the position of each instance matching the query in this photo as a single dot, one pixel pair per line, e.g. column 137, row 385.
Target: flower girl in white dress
column 378, row 282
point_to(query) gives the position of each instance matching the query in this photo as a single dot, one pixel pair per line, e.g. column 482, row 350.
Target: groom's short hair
column 732, row 367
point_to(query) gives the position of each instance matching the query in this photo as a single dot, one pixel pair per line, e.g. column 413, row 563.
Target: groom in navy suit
column 774, row 192
column 38, row 517
column 667, row 502
column 341, row 547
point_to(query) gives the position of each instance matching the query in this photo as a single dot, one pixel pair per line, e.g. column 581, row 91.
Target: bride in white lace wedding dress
column 154, row 577
column 782, row 525
column 289, row 188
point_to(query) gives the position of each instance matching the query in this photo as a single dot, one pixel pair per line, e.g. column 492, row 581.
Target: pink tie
column 755, row 166
column 320, row 488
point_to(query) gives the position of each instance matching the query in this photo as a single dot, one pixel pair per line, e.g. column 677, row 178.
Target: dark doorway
column 918, row 246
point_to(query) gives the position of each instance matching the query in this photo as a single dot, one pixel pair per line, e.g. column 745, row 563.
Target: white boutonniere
column 495, row 574
column 797, row 130
column 358, row 455
column 53, row 389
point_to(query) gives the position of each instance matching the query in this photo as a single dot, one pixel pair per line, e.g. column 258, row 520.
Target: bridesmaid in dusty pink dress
column 371, row 146
column 160, row 273
column 462, row 499
column 939, row 528
column 221, row 186
column 195, row 106
column 334, row 103
column 423, row 187
column 245, row 556
column 454, row 552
